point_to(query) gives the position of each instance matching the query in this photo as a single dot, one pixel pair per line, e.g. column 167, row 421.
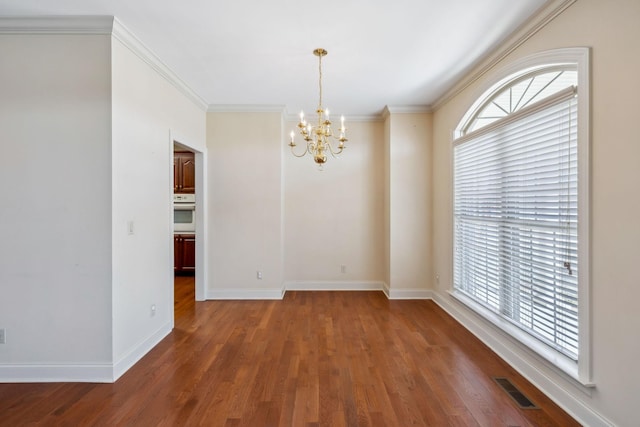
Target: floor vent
column 522, row 400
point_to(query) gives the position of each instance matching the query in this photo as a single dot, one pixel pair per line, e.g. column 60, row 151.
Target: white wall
column 611, row 29
column 335, row 217
column 146, row 107
column 245, row 205
column 55, row 215
column 409, row 163
column 77, row 289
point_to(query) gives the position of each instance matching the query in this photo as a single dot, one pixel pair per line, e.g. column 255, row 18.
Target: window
column 522, row 92
column 520, row 234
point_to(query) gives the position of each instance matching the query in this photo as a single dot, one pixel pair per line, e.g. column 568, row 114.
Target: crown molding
column 56, row 24
column 245, row 108
column 97, row 25
column 405, row 109
column 546, row 14
column 360, row 118
column 287, row 116
column 290, row 117
column 129, row 40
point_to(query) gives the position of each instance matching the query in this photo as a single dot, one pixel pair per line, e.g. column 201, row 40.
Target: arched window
column 521, row 91
column 521, row 208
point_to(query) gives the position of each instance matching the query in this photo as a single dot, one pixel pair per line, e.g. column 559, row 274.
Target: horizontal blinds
column 516, row 220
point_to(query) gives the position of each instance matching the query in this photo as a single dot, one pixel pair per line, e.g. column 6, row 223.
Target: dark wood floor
column 312, row 359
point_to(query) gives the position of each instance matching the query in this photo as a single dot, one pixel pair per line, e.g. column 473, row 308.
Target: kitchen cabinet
column 184, row 172
column 184, row 253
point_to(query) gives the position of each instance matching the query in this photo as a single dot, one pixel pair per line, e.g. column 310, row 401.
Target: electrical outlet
column 259, row 275
column 153, row 309
column 130, row 227
column 437, row 278
column 3, row 336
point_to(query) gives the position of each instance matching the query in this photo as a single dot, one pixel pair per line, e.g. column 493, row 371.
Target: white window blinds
column 516, row 219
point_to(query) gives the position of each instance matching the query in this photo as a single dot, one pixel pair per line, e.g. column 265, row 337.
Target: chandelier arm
column 331, row 150
column 299, row 155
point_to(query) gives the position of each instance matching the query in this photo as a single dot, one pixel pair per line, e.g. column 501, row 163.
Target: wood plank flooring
column 312, row 359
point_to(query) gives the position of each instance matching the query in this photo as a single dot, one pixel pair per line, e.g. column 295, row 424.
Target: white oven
column 184, row 213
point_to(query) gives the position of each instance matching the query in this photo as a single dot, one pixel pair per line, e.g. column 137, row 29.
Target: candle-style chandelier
column 318, row 137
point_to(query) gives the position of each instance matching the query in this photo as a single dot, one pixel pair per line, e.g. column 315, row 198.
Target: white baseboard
column 84, row 373
column 244, row 294
column 358, row 285
column 318, row 285
column 563, row 391
column 333, row 285
column 137, row 353
column 407, row 293
column 26, row 373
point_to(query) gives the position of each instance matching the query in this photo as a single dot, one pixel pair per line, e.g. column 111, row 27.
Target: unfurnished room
column 346, row 213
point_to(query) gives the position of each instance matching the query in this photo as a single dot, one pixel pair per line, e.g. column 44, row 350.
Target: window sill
column 557, row 361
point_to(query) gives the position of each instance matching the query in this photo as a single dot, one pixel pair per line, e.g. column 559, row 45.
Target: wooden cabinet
column 184, row 253
column 184, row 180
column 184, row 172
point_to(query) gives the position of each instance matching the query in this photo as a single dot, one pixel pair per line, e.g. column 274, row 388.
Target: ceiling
column 259, row 53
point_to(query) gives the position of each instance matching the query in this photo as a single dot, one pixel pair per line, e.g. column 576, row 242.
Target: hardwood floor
column 312, row 359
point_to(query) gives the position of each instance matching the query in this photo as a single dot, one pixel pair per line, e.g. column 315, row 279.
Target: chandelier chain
column 320, row 79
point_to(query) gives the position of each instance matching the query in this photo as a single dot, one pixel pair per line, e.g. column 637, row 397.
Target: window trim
column 580, row 58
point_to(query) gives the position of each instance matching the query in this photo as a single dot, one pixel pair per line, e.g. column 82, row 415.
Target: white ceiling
column 253, row 52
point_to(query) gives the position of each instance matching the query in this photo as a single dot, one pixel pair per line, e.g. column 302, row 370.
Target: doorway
column 194, row 275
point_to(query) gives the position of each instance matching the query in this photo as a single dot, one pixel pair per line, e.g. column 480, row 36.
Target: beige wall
column 387, row 201
column 325, row 219
column 334, row 217
column 611, row 29
column 408, row 187
column 272, row 212
column 367, row 210
column 244, row 171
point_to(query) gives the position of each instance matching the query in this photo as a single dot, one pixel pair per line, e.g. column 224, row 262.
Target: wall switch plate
column 3, row 336
column 130, row 227
column 343, row 269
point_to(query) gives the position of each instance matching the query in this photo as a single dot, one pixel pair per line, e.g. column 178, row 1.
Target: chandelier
column 318, row 137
